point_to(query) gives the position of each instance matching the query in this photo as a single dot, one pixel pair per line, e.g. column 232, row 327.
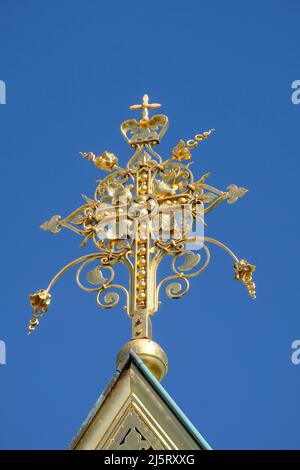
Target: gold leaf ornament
column 120, row 193
column 234, row 193
column 190, row 262
column 163, row 188
column 52, row 225
column 181, row 152
column 95, row 277
column 209, row 197
column 106, row 161
column 78, row 219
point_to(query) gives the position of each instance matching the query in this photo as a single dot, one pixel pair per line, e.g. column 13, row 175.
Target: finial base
column 151, row 354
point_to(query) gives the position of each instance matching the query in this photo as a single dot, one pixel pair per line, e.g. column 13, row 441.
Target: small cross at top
column 144, row 106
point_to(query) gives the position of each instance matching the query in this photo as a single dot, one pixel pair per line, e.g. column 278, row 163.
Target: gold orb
column 143, row 177
column 142, row 296
column 142, row 250
column 150, row 352
column 141, row 262
column 142, row 273
column 142, row 285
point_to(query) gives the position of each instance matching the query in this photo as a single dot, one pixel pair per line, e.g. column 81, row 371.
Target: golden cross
column 145, row 106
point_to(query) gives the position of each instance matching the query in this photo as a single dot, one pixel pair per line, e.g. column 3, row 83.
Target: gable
column 134, row 415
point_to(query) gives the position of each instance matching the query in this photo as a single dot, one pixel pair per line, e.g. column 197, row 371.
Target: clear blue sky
column 71, row 69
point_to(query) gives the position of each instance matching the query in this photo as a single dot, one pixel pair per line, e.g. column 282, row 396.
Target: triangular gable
column 136, row 413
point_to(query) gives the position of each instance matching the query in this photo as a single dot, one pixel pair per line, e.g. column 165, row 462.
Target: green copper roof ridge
column 169, row 401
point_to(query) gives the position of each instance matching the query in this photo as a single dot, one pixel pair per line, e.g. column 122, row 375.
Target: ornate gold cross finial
column 144, row 106
column 139, row 215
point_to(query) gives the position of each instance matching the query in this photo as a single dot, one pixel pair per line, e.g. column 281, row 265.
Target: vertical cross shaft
column 141, row 323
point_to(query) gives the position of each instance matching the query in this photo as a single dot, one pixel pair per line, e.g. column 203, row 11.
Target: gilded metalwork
column 146, row 131
column 106, row 161
column 137, row 216
column 243, row 272
column 40, row 302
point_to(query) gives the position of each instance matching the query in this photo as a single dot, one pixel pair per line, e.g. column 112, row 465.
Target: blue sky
column 71, row 70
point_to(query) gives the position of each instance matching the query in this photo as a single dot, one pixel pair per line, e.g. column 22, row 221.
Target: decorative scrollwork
column 175, row 290
column 145, row 156
column 191, row 261
column 171, row 247
column 182, row 149
column 115, row 188
column 177, row 176
column 139, row 214
column 110, row 299
column 95, row 276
